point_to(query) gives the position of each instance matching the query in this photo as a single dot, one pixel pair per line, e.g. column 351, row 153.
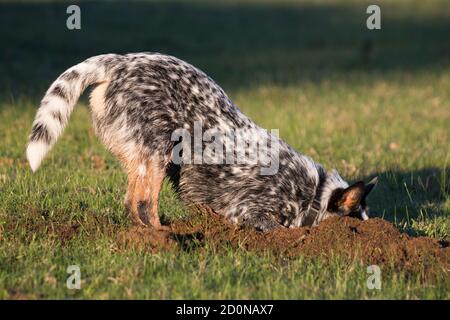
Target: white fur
column 142, row 170
column 36, row 152
column 364, row 215
column 54, row 127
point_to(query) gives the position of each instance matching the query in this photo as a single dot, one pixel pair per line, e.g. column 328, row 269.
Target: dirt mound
column 147, row 238
column 375, row 241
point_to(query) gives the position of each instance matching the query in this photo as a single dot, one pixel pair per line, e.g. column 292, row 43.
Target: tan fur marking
column 130, row 202
column 97, row 100
column 352, row 198
column 143, row 191
column 156, row 174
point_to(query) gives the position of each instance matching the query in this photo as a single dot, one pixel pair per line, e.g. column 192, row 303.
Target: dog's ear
column 352, row 196
column 372, row 183
column 347, row 200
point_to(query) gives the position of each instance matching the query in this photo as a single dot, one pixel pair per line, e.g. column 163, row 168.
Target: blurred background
column 240, row 43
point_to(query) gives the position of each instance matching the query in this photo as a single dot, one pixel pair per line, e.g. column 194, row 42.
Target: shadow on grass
column 402, row 196
column 238, row 44
column 189, row 241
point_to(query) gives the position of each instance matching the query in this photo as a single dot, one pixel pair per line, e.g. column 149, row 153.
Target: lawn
column 364, row 102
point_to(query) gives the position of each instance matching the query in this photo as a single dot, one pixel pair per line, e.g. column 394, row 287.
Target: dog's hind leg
column 145, row 174
column 144, row 185
column 130, row 204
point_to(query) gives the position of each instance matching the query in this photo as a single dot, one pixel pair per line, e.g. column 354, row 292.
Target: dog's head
column 351, row 201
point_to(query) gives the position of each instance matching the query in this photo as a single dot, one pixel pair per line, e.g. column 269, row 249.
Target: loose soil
column 375, row 241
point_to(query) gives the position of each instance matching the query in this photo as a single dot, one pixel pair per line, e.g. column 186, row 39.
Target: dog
column 141, row 99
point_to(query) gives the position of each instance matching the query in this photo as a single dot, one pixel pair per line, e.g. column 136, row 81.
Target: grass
column 295, row 66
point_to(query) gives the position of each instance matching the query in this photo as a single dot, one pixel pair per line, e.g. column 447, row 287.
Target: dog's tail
column 57, row 104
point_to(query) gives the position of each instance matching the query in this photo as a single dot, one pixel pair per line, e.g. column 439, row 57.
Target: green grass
column 295, row 66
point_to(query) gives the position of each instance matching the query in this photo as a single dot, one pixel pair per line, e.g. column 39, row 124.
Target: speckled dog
column 138, row 102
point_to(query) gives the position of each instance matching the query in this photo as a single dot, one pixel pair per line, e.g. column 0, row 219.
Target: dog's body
column 140, row 100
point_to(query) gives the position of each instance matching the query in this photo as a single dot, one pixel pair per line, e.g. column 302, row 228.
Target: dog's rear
column 145, row 174
column 138, row 102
